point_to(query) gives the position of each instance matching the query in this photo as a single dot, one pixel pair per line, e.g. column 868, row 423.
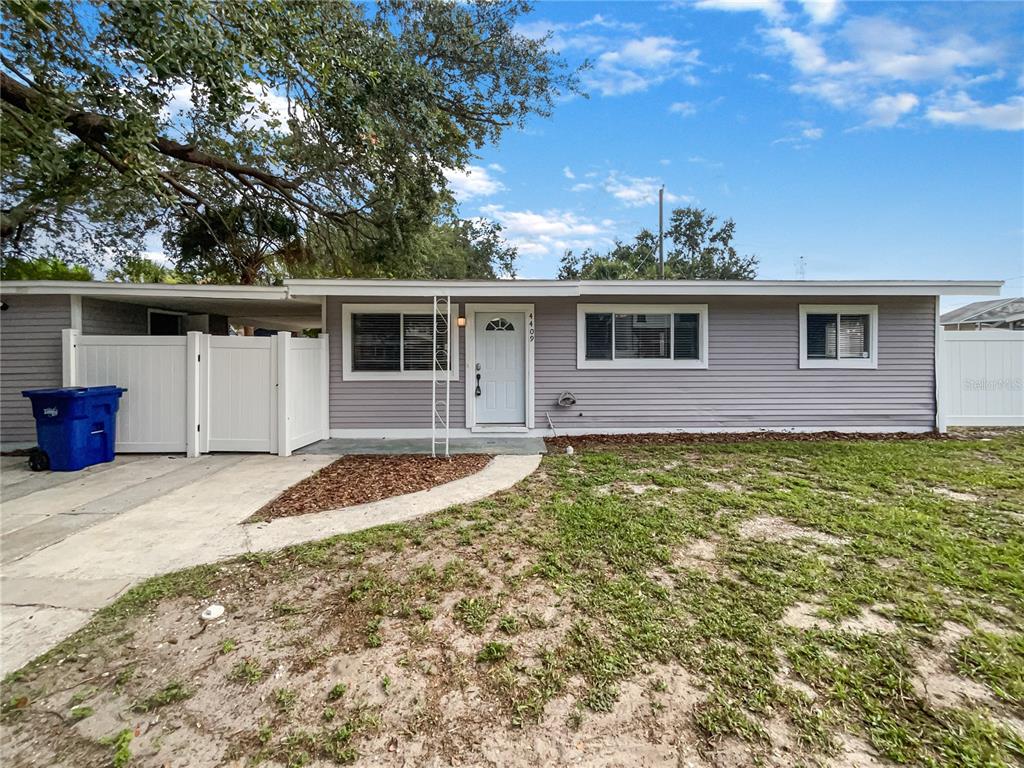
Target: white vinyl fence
column 200, row 393
column 981, row 374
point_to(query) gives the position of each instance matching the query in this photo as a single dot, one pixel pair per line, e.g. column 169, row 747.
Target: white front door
column 500, row 375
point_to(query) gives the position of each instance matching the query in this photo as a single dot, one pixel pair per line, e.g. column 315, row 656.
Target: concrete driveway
column 71, row 543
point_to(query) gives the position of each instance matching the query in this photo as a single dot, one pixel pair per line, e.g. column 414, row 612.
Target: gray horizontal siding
column 385, row 404
column 114, row 318
column 30, row 358
column 753, row 380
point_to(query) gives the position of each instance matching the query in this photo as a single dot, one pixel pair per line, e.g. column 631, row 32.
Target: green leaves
column 337, row 116
column 695, row 250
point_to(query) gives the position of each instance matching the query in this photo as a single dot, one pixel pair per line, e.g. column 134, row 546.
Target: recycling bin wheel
column 38, row 460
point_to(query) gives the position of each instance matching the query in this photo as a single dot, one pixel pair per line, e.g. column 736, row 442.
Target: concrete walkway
column 71, row 546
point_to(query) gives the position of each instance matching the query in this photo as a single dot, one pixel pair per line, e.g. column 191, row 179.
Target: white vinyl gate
column 200, row 393
column 981, row 374
column 240, row 375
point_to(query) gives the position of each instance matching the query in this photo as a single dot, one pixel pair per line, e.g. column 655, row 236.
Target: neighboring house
column 532, row 356
column 984, row 315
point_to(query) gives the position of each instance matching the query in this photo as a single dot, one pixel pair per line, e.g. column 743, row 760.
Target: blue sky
column 873, row 140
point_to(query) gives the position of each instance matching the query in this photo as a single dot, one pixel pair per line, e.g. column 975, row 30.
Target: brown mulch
column 359, row 479
column 674, row 438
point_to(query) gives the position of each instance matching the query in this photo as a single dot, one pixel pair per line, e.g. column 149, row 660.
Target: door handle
column 478, row 384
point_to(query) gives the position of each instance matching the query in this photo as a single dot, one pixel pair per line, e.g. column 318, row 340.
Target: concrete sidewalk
column 75, row 546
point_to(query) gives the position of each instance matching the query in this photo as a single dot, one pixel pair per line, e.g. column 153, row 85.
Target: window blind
column 853, row 336
column 821, row 337
column 376, row 342
column 418, row 342
column 599, row 336
column 686, row 338
column 642, row 337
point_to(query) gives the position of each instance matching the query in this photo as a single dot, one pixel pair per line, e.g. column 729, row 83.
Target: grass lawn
column 765, row 603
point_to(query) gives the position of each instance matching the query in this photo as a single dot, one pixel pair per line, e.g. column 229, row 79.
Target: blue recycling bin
column 75, row 426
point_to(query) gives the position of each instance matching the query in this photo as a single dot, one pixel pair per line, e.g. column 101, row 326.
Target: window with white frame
column 641, row 336
column 391, row 341
column 838, row 336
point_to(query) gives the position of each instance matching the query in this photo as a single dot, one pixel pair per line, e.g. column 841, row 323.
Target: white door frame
column 528, row 382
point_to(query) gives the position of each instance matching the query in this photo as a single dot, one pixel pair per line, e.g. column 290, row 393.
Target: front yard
column 782, row 603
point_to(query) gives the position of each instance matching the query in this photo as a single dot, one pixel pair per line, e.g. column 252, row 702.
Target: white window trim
column 871, row 310
column 529, row 337
column 582, row 310
column 347, row 374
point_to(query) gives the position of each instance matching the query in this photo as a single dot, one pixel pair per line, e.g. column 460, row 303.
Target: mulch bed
column 673, row 438
column 359, row 479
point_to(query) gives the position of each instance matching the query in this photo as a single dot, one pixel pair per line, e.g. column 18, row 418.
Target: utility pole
column 661, row 233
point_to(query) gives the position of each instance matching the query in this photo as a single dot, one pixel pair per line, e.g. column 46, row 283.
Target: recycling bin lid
column 73, row 391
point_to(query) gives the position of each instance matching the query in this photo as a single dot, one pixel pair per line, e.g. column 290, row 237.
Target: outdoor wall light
column 461, row 321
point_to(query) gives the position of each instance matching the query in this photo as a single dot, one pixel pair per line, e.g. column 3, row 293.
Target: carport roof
column 268, row 306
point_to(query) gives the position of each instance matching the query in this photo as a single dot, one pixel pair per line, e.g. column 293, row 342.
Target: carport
column 192, row 388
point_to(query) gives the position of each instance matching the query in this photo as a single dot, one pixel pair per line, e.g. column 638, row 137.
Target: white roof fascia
column 790, row 287
column 572, row 288
column 423, row 288
column 143, row 290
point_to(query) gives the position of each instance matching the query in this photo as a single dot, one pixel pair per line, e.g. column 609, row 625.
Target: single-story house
column 1007, row 314
column 537, row 357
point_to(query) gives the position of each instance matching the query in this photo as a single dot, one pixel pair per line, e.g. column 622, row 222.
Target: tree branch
column 95, row 129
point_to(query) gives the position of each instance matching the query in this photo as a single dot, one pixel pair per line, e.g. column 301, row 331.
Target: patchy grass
column 763, row 602
column 171, row 693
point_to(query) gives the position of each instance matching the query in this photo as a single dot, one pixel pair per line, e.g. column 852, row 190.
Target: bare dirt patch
column 777, row 529
column 955, row 495
column 937, row 682
column 360, row 479
column 804, row 616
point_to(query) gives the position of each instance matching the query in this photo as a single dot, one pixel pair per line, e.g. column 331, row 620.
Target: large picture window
column 396, row 341
column 641, row 336
column 838, row 336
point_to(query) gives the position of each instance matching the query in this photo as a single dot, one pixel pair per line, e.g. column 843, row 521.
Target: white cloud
column 581, row 187
column 497, row 167
column 805, row 133
column 537, row 234
column 639, row 63
column 265, row 105
column 269, row 105
column 472, row 181
column 889, row 50
column 567, row 172
column 822, row 11
column 684, row 108
column 862, row 64
column 961, row 109
column 806, row 52
column 770, row 8
column 887, row 110
column 646, row 53
column 635, row 192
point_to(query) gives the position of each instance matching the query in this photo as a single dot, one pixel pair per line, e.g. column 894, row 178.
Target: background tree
column 245, row 243
column 340, row 116
column 139, row 269
column 446, row 247
column 695, row 250
column 44, row 268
